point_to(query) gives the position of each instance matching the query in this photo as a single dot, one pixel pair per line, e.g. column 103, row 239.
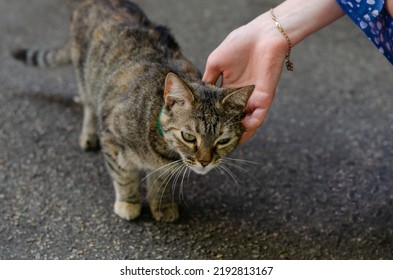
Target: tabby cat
column 144, row 103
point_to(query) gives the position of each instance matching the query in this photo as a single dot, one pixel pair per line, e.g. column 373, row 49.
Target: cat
column 144, row 103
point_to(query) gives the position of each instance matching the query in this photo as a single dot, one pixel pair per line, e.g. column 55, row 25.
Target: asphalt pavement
column 322, row 187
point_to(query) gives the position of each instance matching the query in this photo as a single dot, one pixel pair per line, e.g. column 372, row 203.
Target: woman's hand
column 254, row 54
column 251, row 55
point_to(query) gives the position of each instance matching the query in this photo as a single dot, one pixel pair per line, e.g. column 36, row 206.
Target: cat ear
column 236, row 99
column 177, row 92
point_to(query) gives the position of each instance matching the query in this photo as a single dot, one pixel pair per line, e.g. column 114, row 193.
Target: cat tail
column 44, row 58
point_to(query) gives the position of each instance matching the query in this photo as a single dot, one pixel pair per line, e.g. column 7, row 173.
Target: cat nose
column 204, row 163
column 204, row 156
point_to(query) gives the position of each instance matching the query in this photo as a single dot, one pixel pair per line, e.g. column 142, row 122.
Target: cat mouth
column 200, row 169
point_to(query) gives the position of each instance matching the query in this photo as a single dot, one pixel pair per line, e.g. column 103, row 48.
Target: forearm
column 300, row 18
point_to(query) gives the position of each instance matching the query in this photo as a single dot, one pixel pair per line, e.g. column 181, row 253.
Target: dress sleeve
column 372, row 17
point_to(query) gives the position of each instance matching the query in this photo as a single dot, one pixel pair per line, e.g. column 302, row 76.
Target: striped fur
column 131, row 77
column 44, row 58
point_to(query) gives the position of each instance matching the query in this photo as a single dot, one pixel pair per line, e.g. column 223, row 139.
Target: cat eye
column 188, row 137
column 223, row 141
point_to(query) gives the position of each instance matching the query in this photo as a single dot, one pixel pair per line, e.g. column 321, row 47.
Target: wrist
column 301, row 18
column 288, row 62
column 265, row 29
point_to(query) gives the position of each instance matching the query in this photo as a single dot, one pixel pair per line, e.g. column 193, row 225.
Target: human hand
column 253, row 54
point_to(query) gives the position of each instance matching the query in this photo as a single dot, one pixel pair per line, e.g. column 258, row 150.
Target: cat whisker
column 175, row 176
column 188, row 175
column 217, row 170
column 242, row 161
column 181, row 189
column 243, row 170
column 165, row 173
column 178, row 173
column 174, row 183
column 158, row 169
column 166, row 182
column 231, row 175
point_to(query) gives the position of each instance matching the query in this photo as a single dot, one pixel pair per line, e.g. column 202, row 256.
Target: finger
column 254, row 120
column 212, row 72
column 246, row 136
column 251, row 123
column 211, row 75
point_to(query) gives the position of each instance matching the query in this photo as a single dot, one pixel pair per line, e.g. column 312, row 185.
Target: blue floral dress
column 375, row 21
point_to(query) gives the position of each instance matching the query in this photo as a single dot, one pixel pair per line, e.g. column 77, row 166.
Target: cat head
column 202, row 122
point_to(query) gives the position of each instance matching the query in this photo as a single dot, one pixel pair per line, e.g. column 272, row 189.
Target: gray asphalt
column 325, row 153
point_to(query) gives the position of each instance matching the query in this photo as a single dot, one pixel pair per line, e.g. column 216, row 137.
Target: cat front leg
column 127, row 206
column 125, row 178
column 159, row 194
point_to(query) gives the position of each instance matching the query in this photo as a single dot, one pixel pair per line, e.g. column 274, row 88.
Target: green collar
column 159, row 126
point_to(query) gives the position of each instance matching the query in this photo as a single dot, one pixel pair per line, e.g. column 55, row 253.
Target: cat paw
column 165, row 213
column 127, row 211
column 89, row 142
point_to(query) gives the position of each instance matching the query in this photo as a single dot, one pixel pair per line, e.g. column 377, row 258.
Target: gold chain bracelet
column 288, row 62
